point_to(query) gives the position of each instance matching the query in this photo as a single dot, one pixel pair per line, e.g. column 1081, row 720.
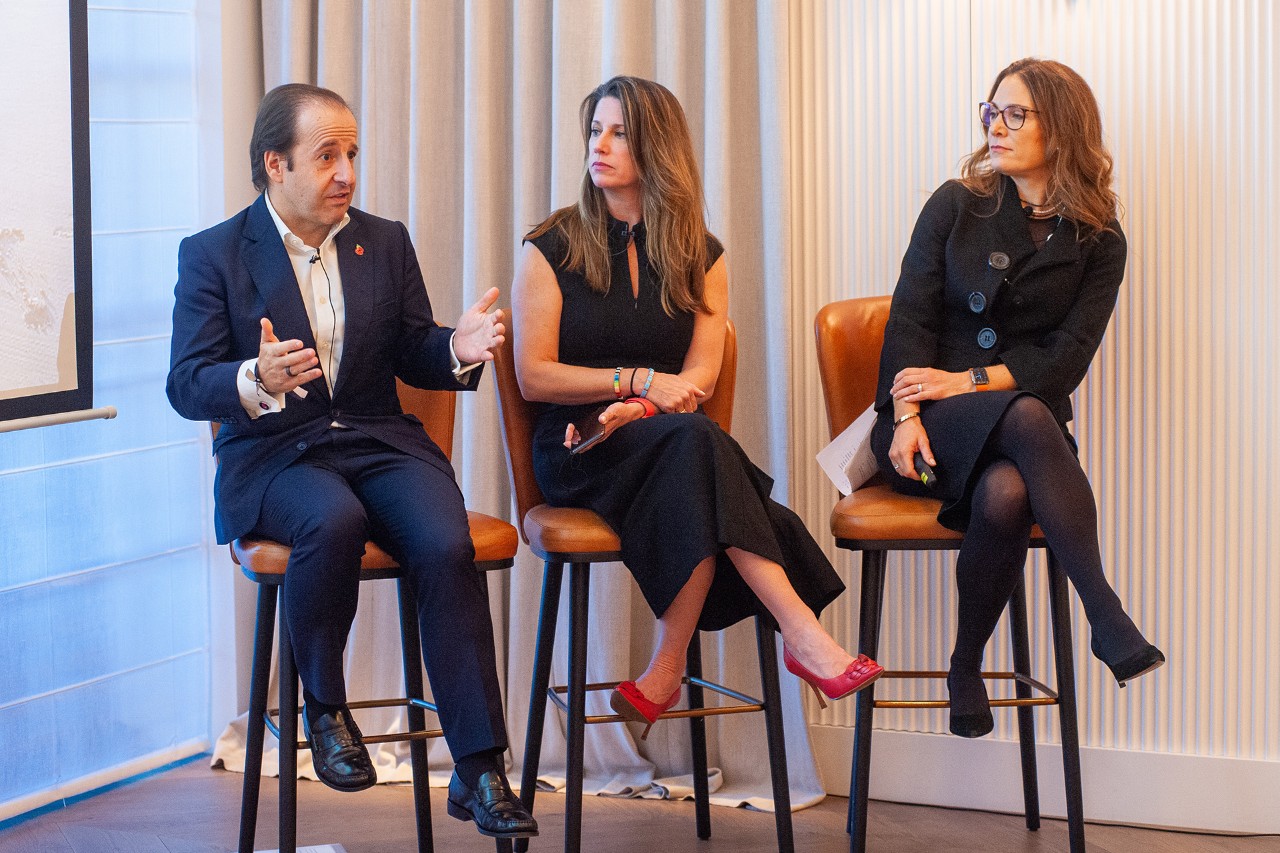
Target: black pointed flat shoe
column 970, row 709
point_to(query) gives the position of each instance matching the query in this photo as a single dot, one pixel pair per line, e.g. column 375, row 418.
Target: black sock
column 471, row 767
column 315, row 709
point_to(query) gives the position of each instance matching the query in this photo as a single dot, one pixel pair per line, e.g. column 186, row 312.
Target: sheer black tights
column 1029, row 473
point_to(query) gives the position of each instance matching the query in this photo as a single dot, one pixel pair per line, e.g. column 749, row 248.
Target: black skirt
column 959, row 428
column 677, row 490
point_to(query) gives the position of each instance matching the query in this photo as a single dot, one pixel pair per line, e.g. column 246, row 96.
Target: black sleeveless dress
column 674, row 487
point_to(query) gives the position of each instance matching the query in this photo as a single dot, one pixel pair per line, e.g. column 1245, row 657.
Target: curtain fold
column 469, row 134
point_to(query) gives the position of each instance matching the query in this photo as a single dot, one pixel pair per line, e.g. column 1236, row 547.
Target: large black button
column 998, row 261
column 977, row 302
column 987, row 338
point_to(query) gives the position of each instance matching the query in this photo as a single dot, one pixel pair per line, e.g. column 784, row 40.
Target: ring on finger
column 288, row 371
column 919, row 387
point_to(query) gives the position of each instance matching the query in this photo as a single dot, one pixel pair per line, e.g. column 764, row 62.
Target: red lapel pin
column 359, row 249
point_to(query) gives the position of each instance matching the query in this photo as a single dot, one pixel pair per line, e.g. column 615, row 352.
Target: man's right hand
column 284, row 365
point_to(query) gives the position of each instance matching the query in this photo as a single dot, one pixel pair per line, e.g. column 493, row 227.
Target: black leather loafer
column 498, row 813
column 338, row 753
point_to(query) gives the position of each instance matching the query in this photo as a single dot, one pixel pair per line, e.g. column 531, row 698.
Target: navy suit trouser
column 348, row 488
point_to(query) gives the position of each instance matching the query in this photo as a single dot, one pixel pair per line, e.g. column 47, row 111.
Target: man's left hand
column 479, row 331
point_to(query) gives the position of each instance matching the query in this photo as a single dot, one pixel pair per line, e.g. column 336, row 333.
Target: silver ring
column 288, row 372
column 895, row 467
column 919, row 387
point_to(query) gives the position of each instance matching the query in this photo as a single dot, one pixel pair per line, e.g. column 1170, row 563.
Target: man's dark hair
column 276, row 127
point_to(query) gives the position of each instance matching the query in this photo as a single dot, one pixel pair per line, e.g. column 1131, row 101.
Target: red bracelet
column 649, row 408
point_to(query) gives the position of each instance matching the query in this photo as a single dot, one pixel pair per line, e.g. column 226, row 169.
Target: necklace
column 1038, row 211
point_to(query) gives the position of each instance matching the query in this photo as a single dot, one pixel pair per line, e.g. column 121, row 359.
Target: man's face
column 311, row 186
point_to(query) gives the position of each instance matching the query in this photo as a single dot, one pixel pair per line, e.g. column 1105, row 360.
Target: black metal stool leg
column 1020, row 634
column 263, row 639
column 548, row 613
column 873, row 564
column 579, row 589
column 698, row 740
column 411, row 653
column 775, row 733
column 1060, row 610
column 288, row 739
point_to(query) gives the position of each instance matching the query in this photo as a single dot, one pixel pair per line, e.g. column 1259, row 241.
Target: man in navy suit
column 292, row 321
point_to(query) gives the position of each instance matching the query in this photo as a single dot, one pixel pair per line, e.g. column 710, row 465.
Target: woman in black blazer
column 1005, row 292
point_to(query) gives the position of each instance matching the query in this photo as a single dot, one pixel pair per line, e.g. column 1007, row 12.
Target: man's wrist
column 460, row 369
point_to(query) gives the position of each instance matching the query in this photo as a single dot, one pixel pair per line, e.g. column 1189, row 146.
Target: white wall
column 104, row 579
column 1176, row 418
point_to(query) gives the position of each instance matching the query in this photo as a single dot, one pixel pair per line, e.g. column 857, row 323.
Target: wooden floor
column 192, row 809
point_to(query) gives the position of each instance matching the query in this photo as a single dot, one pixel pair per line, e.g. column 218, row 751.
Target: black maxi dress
column 674, row 487
column 975, row 290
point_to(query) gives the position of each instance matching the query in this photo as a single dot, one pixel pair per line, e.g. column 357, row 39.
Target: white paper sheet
column 848, row 460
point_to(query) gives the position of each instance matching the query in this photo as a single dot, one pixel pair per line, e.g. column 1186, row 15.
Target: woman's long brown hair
column 675, row 232
column 1079, row 163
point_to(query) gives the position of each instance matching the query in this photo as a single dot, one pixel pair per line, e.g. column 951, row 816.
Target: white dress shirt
column 320, row 283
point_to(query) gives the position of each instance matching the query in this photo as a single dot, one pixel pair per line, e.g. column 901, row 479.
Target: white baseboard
column 1120, row 786
column 101, row 779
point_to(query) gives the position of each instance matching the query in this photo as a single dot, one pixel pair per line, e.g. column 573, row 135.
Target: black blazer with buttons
column 234, row 273
column 1042, row 312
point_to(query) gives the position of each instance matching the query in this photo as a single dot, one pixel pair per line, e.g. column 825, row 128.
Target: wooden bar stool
column 579, row 537
column 264, row 561
column 876, row 520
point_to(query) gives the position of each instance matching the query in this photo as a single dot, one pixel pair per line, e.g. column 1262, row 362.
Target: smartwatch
column 978, row 375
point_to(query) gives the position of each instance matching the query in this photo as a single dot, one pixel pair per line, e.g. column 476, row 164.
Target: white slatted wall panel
column 1178, row 417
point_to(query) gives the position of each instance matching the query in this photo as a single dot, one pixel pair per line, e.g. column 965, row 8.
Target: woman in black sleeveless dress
column 1005, row 292
column 621, row 303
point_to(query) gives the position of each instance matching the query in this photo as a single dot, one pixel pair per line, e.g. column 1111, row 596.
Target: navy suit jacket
column 237, row 272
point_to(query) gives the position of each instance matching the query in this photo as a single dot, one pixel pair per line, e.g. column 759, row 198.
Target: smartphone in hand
column 590, row 431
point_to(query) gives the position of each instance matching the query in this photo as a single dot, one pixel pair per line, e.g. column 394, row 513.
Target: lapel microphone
column 315, row 257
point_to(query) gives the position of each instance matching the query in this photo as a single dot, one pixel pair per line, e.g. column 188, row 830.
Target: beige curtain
column 468, row 123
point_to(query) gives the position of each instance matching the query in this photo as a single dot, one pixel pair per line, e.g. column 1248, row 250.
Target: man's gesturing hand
column 479, row 331
column 284, row 365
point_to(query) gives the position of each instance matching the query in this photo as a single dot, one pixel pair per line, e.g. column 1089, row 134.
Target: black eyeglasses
column 1014, row 115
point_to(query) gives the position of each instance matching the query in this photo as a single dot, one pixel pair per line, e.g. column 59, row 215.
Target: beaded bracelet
column 617, row 382
column 648, row 380
column 649, row 408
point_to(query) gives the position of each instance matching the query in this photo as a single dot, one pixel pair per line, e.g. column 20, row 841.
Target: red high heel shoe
column 629, row 703
column 858, row 675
